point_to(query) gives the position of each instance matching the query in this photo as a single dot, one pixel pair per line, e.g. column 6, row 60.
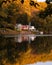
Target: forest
column 11, row 12
column 14, row 53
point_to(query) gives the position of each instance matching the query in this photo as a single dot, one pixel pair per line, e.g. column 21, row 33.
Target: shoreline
column 14, row 32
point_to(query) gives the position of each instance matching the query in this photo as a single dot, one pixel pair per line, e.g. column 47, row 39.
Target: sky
column 40, row 0
column 41, row 63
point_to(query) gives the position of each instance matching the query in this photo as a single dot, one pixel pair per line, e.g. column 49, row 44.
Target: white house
column 25, row 27
column 32, row 28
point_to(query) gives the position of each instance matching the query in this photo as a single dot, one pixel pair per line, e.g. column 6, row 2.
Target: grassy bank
column 8, row 31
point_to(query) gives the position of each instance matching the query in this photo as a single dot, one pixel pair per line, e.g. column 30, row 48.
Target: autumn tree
column 22, row 18
column 9, row 12
column 46, row 12
column 46, row 17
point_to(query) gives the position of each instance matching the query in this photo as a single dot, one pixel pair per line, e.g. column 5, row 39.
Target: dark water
column 10, row 47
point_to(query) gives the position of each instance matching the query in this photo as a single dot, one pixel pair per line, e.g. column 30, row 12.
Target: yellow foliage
column 29, row 58
column 26, row 7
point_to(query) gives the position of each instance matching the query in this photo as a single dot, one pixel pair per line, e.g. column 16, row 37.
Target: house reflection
column 21, row 38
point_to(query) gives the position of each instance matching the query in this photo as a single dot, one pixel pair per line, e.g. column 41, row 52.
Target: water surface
column 24, row 49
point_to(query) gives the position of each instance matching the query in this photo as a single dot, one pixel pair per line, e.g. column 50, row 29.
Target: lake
column 25, row 49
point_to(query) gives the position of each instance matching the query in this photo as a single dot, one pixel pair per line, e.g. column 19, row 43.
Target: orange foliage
column 26, row 7
column 29, row 58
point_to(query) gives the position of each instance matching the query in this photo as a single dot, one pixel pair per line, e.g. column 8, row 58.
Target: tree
column 12, row 12
column 46, row 16
column 46, row 12
column 9, row 14
column 22, row 18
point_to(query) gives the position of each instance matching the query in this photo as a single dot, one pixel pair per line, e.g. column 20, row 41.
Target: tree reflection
column 41, row 45
column 11, row 50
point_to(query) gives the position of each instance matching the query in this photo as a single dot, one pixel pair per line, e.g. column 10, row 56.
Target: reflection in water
column 42, row 45
column 21, row 38
column 18, row 49
column 41, row 63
